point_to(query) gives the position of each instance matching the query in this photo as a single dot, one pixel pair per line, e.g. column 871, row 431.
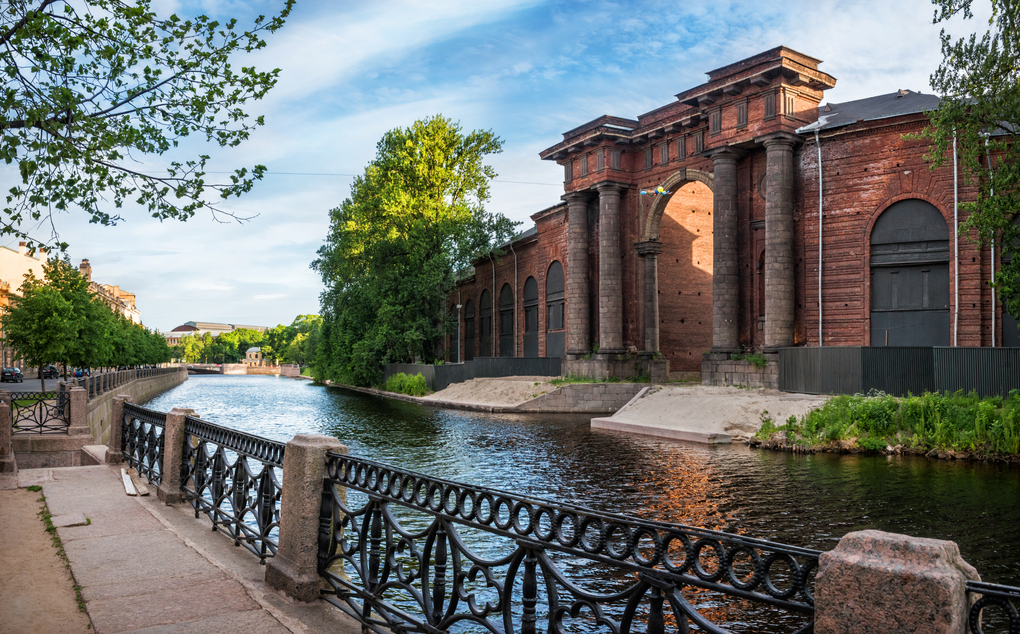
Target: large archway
column 910, row 276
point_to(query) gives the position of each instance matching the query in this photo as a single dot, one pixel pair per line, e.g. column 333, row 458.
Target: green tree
column 275, row 342
column 414, row 217
column 41, row 325
column 91, row 87
column 979, row 82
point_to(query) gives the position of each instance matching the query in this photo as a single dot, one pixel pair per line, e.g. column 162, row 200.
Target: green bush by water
column 933, row 421
column 405, row 384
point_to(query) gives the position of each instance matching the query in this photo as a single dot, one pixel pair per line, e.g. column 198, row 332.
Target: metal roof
column 896, row 104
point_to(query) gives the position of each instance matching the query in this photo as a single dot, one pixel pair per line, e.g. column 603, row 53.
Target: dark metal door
column 555, row 335
column 469, row 331
column 530, row 317
column 506, row 322
column 485, row 323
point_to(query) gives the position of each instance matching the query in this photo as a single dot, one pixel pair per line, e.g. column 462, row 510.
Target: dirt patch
column 36, row 586
column 505, row 391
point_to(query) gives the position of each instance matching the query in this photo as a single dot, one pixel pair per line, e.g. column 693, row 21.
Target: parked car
column 11, row 374
column 80, row 372
column 51, row 372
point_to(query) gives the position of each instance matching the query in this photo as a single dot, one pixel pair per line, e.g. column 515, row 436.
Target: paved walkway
column 147, row 567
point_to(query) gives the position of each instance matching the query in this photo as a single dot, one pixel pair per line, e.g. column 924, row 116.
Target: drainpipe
column 818, row 145
column 956, row 246
column 492, row 310
column 515, row 296
column 459, row 304
column 991, row 194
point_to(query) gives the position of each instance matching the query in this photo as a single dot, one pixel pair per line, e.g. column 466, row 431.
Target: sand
column 504, row 392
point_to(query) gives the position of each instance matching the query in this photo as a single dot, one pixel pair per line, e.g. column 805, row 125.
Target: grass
column 47, row 519
column 932, row 422
column 406, row 384
column 572, row 379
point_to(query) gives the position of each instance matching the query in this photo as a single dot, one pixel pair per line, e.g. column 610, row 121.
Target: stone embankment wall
column 720, row 369
column 593, row 398
column 140, row 390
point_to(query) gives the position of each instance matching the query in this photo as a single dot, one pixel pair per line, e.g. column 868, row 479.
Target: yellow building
column 253, row 356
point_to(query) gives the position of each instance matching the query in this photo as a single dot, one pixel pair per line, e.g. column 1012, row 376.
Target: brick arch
column 674, row 181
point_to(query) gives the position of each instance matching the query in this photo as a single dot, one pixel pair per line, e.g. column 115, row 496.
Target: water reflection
column 808, row 501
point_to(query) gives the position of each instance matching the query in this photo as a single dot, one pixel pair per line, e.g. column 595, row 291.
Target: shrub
column 404, row 384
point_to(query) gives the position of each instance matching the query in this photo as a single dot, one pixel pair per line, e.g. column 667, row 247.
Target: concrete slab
column 705, row 414
column 70, row 519
column 107, row 523
column 8, row 481
column 97, row 452
column 140, row 557
column 251, row 622
column 33, row 477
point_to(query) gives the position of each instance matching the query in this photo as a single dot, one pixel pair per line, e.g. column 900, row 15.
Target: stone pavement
column 147, row 567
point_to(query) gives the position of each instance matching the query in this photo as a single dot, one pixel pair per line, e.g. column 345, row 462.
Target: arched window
column 910, row 276
column 485, row 324
column 506, row 321
column 469, row 330
column 555, row 334
column 530, row 317
column 454, row 349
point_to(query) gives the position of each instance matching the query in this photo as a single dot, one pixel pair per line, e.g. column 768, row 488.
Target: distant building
column 200, row 328
column 253, row 356
column 118, row 300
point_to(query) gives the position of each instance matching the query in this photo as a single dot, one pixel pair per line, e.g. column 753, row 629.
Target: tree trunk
column 42, row 378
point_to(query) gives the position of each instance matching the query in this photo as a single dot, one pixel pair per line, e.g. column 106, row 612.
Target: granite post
column 115, row 446
column 649, row 251
column 779, row 256
column 7, row 462
column 169, row 491
column 295, row 568
column 882, row 582
column 77, row 415
column 610, row 271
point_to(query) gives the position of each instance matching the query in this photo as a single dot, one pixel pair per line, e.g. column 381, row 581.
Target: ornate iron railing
column 425, row 565
column 40, row 412
column 1000, row 601
column 142, row 441
column 218, row 480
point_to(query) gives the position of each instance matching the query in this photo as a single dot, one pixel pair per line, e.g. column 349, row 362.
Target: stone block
column 883, row 582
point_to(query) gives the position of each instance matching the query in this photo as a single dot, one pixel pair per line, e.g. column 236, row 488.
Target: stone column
column 881, row 582
column 649, row 251
column 295, row 568
column 7, row 462
column 169, row 491
column 779, row 280
column 725, row 267
column 115, row 446
column 610, row 271
column 578, row 293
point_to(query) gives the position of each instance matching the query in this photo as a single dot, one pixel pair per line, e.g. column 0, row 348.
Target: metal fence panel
column 898, row 370
column 987, row 371
column 438, row 377
column 829, row 370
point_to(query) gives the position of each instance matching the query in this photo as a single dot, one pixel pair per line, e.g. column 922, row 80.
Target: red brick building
column 695, row 228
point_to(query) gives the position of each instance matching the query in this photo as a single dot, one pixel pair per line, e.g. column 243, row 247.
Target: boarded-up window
column 648, row 158
column 555, row 338
column 600, row 159
column 469, row 330
column 616, row 159
column 790, row 108
column 584, row 165
column 741, row 114
column 681, row 148
column 568, row 172
column 530, row 317
column 506, row 321
column 485, row 325
column 664, row 153
column 910, row 276
column 699, row 141
column 715, row 121
column 769, row 99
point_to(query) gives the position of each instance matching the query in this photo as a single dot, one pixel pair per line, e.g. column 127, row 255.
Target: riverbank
column 946, row 426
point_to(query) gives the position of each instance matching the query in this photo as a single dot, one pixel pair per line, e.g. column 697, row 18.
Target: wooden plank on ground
column 129, row 487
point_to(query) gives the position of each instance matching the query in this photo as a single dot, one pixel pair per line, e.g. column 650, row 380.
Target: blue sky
column 528, row 71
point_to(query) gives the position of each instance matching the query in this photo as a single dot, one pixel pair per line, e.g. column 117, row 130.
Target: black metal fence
column 39, row 412
column 142, row 441
column 96, row 384
column 995, row 610
column 409, row 552
column 219, row 480
column 438, row 377
column 894, row 370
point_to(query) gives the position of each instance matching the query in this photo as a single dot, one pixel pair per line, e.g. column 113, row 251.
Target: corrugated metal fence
column 438, row 377
column 894, row 370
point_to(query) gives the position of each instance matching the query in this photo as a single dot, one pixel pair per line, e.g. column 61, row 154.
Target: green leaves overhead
column 414, row 217
column 90, row 88
column 979, row 82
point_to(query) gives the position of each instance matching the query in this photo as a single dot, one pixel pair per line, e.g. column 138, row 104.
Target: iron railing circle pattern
column 40, row 412
column 1005, row 598
column 262, row 449
column 241, row 502
column 143, row 441
column 666, row 557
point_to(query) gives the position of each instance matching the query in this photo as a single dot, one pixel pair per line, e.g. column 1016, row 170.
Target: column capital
column 648, row 247
column 782, row 139
column 610, row 186
column 580, row 196
column 725, row 154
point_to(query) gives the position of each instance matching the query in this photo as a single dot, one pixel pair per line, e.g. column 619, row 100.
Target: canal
column 802, row 500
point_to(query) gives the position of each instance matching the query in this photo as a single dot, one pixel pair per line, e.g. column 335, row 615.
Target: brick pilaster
column 649, row 251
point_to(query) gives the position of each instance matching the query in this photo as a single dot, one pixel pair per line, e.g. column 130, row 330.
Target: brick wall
column 722, row 369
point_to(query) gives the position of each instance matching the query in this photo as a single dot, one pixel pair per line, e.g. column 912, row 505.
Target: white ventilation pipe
column 956, row 246
column 515, row 296
column 991, row 194
column 818, row 145
column 492, row 311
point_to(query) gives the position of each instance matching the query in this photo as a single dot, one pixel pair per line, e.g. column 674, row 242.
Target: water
column 808, row 501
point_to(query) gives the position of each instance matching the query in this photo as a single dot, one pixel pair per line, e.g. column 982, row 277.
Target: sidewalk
column 147, row 567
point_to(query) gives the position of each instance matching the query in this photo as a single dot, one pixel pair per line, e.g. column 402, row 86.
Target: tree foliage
column 979, row 82
column 59, row 319
column 414, row 217
column 293, row 344
column 91, row 87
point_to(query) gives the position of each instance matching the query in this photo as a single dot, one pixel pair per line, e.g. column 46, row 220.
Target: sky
column 525, row 69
